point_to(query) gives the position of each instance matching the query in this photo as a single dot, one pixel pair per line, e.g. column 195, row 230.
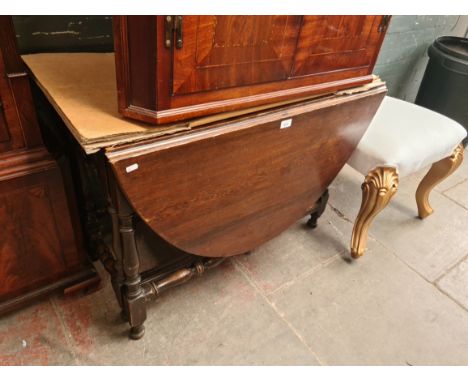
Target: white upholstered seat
column 401, row 139
column 406, row 136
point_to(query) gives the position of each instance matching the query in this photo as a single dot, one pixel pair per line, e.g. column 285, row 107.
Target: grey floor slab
column 222, row 320
column 95, row 329
column 430, row 246
column 455, row 283
column 459, row 194
column 296, row 251
column 375, row 311
column 218, row 319
column 297, row 300
column 34, row 335
column 411, row 182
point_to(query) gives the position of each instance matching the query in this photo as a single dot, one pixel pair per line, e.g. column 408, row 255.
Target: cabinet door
column 38, row 244
column 18, row 124
column 227, row 51
column 337, row 43
column 174, row 69
column 4, row 136
column 11, row 135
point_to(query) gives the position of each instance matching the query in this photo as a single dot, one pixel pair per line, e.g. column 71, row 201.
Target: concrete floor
column 298, row 300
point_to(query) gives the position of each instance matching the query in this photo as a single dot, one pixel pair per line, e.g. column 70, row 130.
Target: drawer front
column 227, row 189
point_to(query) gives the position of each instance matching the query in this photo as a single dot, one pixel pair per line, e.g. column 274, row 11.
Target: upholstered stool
column 402, row 139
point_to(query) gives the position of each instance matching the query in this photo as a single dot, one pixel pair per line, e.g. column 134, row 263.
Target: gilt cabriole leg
column 134, row 301
column 437, row 173
column 378, row 188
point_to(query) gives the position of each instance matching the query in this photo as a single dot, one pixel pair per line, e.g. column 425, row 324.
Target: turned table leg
column 378, row 188
column 319, row 209
column 134, row 301
column 117, row 276
column 437, row 173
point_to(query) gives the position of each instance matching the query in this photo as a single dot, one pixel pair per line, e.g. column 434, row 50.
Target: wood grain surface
column 229, row 188
column 232, row 62
column 40, row 242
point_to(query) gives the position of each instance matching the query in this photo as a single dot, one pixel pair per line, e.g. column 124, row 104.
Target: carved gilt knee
column 378, row 188
column 437, row 173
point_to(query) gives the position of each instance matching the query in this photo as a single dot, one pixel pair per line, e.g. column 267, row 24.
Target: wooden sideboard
column 171, row 68
column 41, row 243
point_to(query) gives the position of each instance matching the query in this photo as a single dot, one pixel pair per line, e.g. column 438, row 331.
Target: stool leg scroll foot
column 378, row 188
column 437, row 173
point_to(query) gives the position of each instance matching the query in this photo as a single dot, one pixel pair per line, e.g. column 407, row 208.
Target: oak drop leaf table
column 204, row 189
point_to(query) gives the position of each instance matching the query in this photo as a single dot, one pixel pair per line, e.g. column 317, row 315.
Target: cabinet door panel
column 11, row 134
column 38, row 244
column 227, row 51
column 4, row 136
column 330, row 43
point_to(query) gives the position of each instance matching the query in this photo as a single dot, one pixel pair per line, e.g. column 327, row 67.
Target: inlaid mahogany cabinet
column 172, row 68
column 40, row 239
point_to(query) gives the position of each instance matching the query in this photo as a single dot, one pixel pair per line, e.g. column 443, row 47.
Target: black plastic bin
column 444, row 87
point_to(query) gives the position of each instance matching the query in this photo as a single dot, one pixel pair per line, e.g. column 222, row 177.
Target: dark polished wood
column 319, row 210
column 41, row 245
column 160, row 265
column 134, row 287
column 223, row 190
column 19, row 129
column 227, row 189
column 227, row 63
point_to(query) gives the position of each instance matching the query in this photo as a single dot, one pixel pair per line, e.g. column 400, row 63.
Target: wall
column 403, row 58
column 64, row 33
column 401, row 62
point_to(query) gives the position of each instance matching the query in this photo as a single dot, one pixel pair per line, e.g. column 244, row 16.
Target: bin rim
column 440, row 44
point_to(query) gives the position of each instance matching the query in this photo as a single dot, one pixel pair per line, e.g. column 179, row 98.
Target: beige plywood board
column 82, row 88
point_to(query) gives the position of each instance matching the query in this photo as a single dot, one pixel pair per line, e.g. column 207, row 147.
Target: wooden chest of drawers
column 172, row 68
column 40, row 243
